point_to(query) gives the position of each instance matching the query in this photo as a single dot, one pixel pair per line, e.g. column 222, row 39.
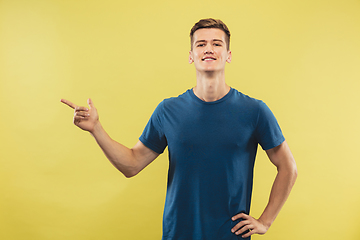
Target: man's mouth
column 208, row 59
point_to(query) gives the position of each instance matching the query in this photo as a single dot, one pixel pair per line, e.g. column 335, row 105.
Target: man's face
column 209, row 51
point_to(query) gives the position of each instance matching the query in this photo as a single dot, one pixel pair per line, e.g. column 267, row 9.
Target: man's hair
column 211, row 23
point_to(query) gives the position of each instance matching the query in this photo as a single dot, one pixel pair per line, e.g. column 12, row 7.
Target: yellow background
column 301, row 57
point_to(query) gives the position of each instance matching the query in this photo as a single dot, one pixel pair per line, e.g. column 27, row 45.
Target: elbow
column 289, row 172
column 292, row 170
column 130, row 174
column 294, row 173
column 130, row 171
column 131, row 165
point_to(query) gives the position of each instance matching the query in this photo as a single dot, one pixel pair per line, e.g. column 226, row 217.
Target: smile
column 209, row 59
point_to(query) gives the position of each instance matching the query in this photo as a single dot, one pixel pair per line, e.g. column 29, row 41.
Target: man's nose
column 208, row 49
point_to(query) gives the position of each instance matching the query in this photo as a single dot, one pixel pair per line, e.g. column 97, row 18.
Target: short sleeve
column 268, row 132
column 153, row 136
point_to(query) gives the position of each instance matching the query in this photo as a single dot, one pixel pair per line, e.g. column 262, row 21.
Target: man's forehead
column 209, row 34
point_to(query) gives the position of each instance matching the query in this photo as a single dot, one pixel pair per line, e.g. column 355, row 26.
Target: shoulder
column 181, row 99
column 247, row 101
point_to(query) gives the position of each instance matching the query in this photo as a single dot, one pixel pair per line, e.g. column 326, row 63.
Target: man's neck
column 210, row 86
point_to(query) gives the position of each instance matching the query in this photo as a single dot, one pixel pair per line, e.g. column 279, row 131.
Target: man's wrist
column 97, row 129
column 265, row 222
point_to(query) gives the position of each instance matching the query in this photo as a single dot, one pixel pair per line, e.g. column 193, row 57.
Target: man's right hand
column 128, row 161
column 84, row 118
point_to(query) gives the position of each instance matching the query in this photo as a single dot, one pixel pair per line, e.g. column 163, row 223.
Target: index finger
column 240, row 215
column 70, row 104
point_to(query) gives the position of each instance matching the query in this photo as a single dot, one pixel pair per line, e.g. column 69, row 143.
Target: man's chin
column 210, row 70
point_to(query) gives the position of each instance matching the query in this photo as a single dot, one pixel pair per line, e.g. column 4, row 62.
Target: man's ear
column 191, row 60
column 229, row 57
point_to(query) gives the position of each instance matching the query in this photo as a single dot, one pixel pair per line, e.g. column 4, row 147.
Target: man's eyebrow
column 200, row 41
column 214, row 40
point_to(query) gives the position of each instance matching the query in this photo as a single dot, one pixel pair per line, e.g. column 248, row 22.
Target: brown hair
column 211, row 23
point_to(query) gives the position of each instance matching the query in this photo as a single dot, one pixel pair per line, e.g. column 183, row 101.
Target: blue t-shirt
column 212, row 148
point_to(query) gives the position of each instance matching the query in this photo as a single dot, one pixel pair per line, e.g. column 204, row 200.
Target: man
column 212, row 132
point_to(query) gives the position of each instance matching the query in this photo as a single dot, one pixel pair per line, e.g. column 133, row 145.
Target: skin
column 210, row 74
column 129, row 161
column 209, row 54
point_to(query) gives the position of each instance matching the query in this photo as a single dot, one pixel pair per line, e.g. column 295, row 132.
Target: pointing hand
column 85, row 118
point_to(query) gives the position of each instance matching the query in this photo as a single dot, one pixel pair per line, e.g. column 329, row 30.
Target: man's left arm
column 283, row 159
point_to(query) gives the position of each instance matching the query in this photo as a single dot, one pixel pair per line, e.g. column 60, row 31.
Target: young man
column 212, row 132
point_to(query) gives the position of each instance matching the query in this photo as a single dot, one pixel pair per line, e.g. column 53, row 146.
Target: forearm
column 119, row 155
column 280, row 191
column 282, row 158
column 128, row 161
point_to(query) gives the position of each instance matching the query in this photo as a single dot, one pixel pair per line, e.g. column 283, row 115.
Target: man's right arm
column 128, row 161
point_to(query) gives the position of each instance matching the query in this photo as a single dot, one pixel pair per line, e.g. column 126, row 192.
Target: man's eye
column 217, row 44
column 200, row 45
